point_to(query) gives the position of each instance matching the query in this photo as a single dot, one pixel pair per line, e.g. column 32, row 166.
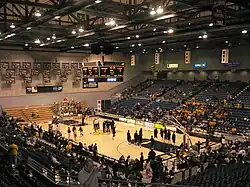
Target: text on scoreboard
column 114, row 71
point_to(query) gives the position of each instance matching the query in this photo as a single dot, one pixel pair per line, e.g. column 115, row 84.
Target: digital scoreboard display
column 90, row 85
column 103, row 79
column 43, row 89
column 104, row 71
column 103, row 74
column 90, row 71
column 119, row 71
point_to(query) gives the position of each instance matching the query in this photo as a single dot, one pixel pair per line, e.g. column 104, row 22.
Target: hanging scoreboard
column 113, row 71
column 104, row 71
column 90, row 71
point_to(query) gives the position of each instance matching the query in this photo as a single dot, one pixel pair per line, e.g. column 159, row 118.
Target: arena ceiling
column 130, row 25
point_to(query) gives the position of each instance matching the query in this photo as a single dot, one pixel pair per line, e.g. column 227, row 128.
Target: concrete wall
column 213, row 59
column 14, row 95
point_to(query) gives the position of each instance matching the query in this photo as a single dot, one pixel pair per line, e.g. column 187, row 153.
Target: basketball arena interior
column 124, row 93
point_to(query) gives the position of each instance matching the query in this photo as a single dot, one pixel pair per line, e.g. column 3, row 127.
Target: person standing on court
column 74, row 132
column 155, row 133
column 96, row 124
column 112, row 124
column 173, row 138
column 113, row 132
column 152, row 142
column 135, row 138
column 81, row 131
column 69, row 131
column 162, row 133
column 128, row 137
column 140, row 137
column 165, row 134
column 169, row 136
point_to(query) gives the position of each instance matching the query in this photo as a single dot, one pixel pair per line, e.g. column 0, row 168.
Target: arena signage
column 172, row 66
column 200, row 65
column 131, row 121
column 123, row 119
column 148, row 124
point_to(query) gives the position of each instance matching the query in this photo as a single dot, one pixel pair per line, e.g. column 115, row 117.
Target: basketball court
column 119, row 145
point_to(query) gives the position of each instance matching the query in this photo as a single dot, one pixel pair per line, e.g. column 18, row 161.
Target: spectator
column 13, row 150
column 141, row 161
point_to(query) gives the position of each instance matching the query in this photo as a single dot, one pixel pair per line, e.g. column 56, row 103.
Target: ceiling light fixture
column 86, row 45
column 172, row 49
column 57, row 17
column 98, row 1
column 204, row 36
column 38, row 13
column 37, row 41
column 42, row 45
column 72, row 47
column 28, row 28
column 117, row 47
column 165, row 17
column 131, row 51
column 73, row 31
column 128, row 38
column 211, row 24
column 163, row 41
column 53, row 37
column 12, row 26
column 48, row 38
column 197, row 47
column 244, row 32
column 226, row 41
column 80, row 29
column 152, row 12
column 137, row 36
column 200, row 37
column 139, row 44
column 170, row 31
column 159, row 10
column 26, row 45
column 111, row 22
column 133, row 45
column 9, row 35
column 154, row 29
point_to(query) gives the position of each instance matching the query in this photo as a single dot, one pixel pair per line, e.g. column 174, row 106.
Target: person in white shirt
column 96, row 124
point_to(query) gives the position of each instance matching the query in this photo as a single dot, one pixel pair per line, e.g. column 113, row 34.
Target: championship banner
column 187, row 57
column 157, row 58
column 99, row 105
column 224, row 56
column 132, row 60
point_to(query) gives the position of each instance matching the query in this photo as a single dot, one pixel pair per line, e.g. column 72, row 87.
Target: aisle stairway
column 41, row 113
column 244, row 96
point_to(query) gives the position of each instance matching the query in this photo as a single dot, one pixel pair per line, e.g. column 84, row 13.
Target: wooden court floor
column 117, row 146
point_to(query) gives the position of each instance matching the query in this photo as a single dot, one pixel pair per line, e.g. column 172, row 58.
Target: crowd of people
column 71, row 108
column 133, row 90
column 33, row 137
